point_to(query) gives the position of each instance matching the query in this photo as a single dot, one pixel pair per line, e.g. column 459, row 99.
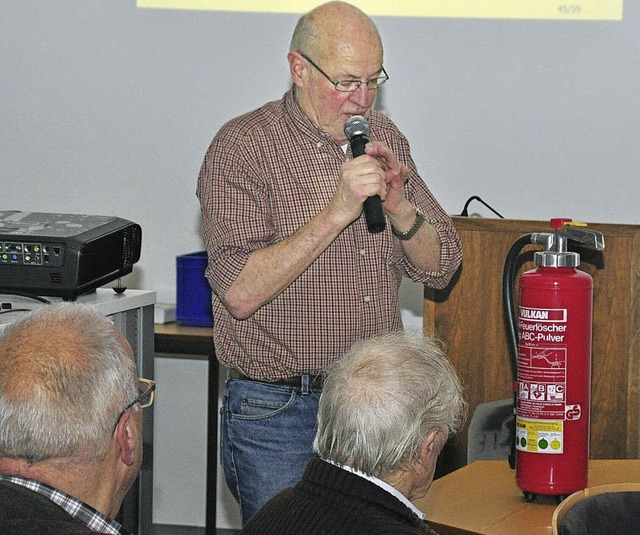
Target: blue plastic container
column 193, row 293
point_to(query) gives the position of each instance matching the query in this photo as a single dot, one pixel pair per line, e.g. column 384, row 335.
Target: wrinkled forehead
column 358, row 56
column 362, row 45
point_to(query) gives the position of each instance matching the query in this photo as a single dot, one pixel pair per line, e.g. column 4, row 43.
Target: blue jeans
column 266, row 439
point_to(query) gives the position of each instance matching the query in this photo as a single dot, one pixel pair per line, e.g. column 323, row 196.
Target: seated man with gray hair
column 70, row 422
column 387, row 409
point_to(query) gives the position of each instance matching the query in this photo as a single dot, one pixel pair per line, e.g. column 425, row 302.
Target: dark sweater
column 332, row 501
column 23, row 511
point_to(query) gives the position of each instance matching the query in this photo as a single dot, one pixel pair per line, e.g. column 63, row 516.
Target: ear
column 127, row 438
column 298, row 68
column 431, row 447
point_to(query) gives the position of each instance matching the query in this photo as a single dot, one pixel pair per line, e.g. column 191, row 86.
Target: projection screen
column 495, row 9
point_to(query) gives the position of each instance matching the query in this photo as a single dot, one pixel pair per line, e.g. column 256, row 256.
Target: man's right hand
column 359, row 179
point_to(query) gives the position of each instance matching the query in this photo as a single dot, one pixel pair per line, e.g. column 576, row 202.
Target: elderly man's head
column 333, row 43
column 65, row 375
column 69, row 404
column 387, row 409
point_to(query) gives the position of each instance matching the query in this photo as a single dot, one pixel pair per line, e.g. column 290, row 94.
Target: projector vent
column 131, row 243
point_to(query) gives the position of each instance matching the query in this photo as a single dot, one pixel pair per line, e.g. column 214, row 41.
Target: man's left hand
column 396, row 175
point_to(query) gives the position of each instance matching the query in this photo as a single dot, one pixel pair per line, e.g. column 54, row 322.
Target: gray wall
column 107, row 109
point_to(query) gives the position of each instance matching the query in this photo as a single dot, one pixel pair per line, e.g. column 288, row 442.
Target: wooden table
column 483, row 498
column 181, row 340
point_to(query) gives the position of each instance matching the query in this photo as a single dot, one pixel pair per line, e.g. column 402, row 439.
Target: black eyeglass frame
column 353, row 84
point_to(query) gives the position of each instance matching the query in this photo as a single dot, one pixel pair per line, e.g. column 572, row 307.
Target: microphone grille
column 356, row 125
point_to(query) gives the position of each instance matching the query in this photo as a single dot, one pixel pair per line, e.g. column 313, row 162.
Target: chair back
column 599, row 510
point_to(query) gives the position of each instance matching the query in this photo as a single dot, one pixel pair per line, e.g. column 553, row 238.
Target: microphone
column 357, row 131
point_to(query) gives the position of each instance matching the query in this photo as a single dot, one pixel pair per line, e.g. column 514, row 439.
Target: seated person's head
column 67, row 383
column 387, row 409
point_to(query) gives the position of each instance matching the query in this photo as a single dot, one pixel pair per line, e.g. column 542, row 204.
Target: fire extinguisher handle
column 567, row 229
column 588, row 237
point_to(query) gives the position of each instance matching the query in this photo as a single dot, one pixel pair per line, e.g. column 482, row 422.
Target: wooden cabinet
column 468, row 317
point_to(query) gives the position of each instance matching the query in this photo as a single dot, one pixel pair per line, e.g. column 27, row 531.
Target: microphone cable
column 465, row 210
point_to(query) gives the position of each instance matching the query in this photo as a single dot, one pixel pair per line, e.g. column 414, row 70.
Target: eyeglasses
column 348, row 86
column 147, row 389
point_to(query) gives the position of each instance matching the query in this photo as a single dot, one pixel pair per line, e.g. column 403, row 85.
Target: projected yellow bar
column 481, row 9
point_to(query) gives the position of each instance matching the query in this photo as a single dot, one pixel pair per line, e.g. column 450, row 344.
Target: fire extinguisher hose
column 508, row 278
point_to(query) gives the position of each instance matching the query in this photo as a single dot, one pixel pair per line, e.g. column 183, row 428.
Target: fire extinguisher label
column 542, row 363
column 539, row 436
column 542, row 381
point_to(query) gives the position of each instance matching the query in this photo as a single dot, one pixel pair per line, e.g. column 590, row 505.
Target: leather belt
column 315, row 381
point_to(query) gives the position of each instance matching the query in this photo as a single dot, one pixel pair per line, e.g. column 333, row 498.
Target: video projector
column 64, row 255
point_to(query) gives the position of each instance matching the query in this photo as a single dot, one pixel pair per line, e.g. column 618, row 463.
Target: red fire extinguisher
column 551, row 361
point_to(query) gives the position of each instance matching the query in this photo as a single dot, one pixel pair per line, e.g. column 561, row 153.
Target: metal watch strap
column 409, row 233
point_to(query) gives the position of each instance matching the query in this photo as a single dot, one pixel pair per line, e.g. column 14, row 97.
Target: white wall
column 180, row 446
column 180, row 441
column 107, row 109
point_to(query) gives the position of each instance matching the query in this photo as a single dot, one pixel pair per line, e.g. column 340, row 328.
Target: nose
column 363, row 96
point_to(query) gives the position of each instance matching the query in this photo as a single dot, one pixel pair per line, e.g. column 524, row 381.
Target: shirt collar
column 79, row 510
column 383, row 485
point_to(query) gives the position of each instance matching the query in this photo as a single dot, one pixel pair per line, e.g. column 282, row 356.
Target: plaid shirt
column 266, row 174
column 86, row 514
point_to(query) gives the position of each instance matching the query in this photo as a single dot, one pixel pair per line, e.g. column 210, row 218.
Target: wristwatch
column 407, row 235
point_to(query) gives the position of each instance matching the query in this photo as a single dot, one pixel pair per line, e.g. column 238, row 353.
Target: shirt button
column 367, row 298
column 319, row 144
column 362, row 252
